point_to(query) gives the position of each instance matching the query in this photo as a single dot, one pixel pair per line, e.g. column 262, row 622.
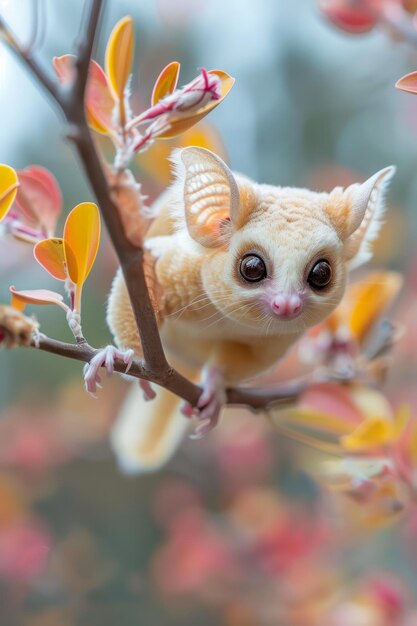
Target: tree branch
column 130, row 257
column 85, row 49
column 254, row 398
column 154, row 366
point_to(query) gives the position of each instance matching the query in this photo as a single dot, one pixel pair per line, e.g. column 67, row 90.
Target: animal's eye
column 320, row 275
column 252, row 268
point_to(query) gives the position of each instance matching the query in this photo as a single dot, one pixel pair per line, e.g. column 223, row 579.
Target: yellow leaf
column 184, row 122
column 318, row 420
column 119, row 55
column 400, row 421
column 371, row 298
column 155, row 161
column 412, row 443
column 8, row 188
column 372, row 433
column 81, row 241
column 166, row 82
column 50, row 254
column 17, row 303
column 204, row 136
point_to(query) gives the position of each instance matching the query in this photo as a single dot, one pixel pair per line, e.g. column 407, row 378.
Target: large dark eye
column 252, row 268
column 321, row 275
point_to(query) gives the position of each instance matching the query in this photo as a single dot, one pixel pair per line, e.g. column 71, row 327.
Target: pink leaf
column 352, row 16
column 37, row 296
column 39, row 197
column 331, row 399
column 408, row 83
column 64, row 68
column 24, row 550
column 99, row 100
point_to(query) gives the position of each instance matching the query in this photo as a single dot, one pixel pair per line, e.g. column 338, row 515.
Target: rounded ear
column 211, row 196
column 365, row 209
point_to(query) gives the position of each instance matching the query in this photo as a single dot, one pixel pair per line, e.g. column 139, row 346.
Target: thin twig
column 154, row 366
column 30, row 62
column 85, row 50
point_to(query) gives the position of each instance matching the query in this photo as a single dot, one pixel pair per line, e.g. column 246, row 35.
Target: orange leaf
column 81, row 241
column 99, row 101
column 408, row 83
column 155, row 161
column 119, row 55
column 36, row 296
column 373, row 432
column 8, row 188
column 371, row 298
column 166, row 82
column 50, row 254
column 401, row 419
column 184, row 122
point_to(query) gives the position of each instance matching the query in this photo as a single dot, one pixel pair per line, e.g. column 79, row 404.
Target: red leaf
column 99, row 100
column 352, row 16
column 39, row 197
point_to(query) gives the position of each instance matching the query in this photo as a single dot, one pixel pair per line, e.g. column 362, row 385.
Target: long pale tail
column 147, row 433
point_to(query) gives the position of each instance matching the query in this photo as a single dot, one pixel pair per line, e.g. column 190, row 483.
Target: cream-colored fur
column 205, row 224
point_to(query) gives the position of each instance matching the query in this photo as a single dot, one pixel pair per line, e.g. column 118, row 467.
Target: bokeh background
column 236, row 530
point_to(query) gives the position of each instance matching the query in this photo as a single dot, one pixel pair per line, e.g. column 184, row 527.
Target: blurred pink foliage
column 24, row 552
column 37, row 206
column 361, row 16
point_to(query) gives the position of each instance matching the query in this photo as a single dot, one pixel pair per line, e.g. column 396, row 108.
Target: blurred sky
column 296, row 77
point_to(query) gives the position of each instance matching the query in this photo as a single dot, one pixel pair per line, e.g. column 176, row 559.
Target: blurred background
column 236, row 530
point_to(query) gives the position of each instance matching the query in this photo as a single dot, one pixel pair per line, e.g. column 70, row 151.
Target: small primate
column 244, row 270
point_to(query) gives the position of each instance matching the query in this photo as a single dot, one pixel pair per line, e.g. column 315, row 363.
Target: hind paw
column 209, row 404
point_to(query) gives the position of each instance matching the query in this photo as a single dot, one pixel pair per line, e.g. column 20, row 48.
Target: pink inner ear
column 224, row 226
column 212, row 231
column 217, row 225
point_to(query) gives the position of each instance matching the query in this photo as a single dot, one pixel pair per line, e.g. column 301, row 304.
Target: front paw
column 104, row 358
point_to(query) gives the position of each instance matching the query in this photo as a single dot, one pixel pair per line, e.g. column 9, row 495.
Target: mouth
column 288, row 325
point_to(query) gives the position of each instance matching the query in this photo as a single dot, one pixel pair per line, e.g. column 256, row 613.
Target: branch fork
column 126, row 237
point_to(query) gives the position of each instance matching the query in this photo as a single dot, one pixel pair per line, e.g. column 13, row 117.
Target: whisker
column 245, row 306
column 201, row 297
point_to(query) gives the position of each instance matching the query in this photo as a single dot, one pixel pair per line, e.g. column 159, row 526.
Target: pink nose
column 287, row 306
